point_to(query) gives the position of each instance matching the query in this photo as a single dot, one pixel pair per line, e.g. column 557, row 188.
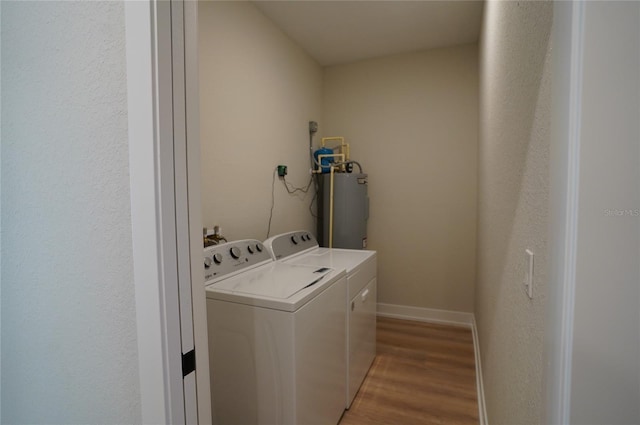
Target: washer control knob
column 235, row 252
column 217, row 258
column 250, row 249
column 207, row 262
column 308, row 237
column 303, row 237
column 259, row 247
column 294, row 239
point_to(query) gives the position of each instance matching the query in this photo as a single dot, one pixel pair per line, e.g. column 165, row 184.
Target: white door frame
column 164, row 172
column 192, row 92
column 564, row 188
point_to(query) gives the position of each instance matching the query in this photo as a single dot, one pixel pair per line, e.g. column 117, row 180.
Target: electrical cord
column 291, row 189
column 315, row 196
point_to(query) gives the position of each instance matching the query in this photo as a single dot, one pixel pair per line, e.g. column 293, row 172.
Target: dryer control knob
column 207, row 262
column 294, row 239
column 308, row 237
column 235, row 252
column 250, row 249
column 217, row 258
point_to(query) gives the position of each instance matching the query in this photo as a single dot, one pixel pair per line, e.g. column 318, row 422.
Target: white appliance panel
column 277, row 338
column 301, row 248
column 275, row 367
column 251, row 353
column 320, row 329
column 362, row 337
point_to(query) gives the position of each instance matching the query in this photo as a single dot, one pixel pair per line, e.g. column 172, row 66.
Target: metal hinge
column 188, row 362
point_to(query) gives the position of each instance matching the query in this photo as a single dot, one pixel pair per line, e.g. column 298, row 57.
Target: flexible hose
column 337, row 164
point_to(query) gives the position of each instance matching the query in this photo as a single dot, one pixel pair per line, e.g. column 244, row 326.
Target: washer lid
column 336, row 258
column 275, row 285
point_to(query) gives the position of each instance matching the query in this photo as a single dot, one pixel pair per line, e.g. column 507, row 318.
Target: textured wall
column 69, row 350
column 412, row 121
column 258, row 92
column 513, row 205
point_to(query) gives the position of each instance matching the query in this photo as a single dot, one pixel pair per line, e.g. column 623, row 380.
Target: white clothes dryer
column 301, row 248
column 276, row 338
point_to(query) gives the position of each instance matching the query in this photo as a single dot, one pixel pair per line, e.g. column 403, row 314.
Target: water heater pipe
column 331, row 209
column 339, row 156
column 344, row 147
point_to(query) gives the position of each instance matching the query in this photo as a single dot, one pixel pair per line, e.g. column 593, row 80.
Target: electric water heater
column 346, row 227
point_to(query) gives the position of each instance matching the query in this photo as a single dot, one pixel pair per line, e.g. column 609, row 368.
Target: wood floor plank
column 423, row 374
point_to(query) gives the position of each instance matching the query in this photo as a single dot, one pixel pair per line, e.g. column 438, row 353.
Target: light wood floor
column 423, row 374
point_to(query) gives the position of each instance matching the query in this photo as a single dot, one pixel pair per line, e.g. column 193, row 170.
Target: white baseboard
column 457, row 318
column 482, row 407
column 421, row 314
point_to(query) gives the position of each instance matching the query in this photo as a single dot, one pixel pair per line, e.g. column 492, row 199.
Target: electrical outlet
column 282, row 170
column 528, row 273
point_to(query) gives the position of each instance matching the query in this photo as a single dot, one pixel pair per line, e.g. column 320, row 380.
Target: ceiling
column 335, row 32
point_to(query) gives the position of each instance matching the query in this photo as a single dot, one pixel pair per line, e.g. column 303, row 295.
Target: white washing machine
column 300, row 247
column 276, row 338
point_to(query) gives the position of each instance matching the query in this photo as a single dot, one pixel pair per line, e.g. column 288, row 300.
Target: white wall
column 258, row 92
column 593, row 347
column 513, row 205
column 605, row 383
column 69, row 346
column 412, row 122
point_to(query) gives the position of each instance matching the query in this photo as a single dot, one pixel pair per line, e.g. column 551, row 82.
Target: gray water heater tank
column 350, row 210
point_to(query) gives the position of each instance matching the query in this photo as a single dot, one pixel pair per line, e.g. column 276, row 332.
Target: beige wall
column 412, row 121
column 513, row 188
column 258, row 91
